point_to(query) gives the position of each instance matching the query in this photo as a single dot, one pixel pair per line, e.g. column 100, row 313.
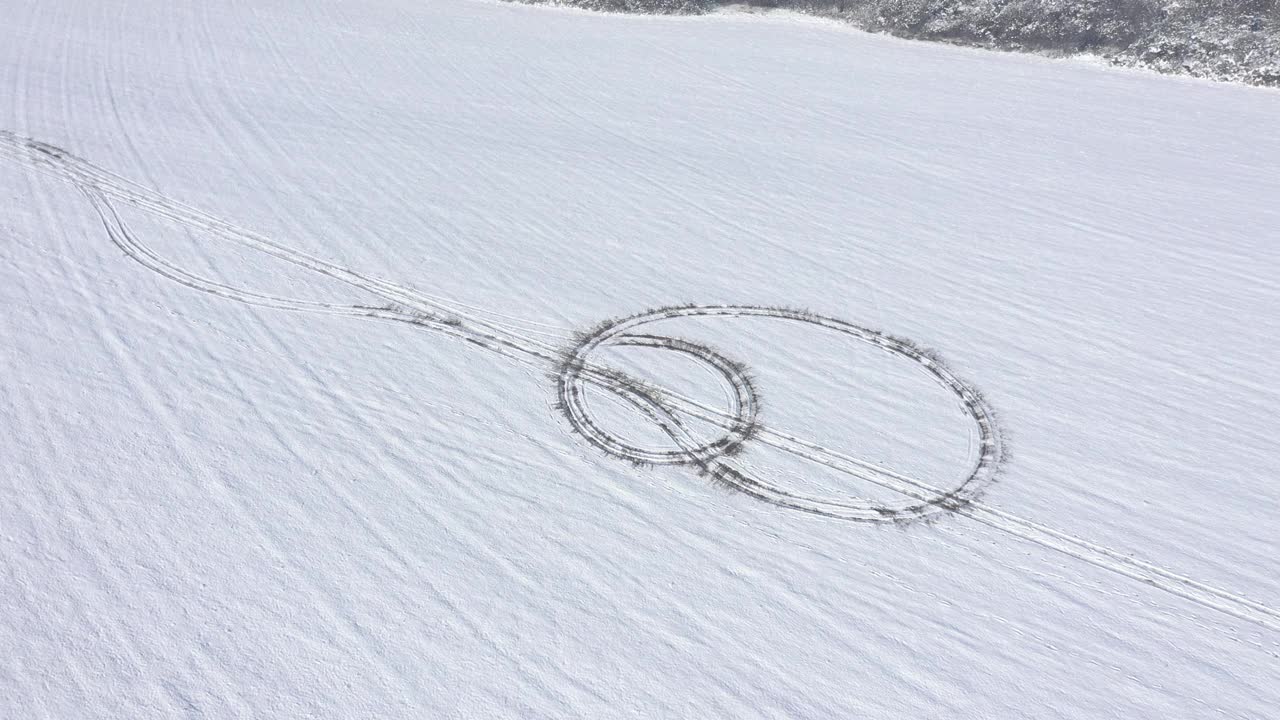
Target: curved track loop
column 716, row 459
column 742, row 416
column 668, row 410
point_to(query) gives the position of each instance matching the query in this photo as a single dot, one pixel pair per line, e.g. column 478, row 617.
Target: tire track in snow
column 574, row 369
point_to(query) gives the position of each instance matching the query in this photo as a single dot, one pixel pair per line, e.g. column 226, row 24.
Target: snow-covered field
column 287, row 291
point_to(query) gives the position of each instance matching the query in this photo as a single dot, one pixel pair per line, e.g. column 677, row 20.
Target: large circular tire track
column 715, row 458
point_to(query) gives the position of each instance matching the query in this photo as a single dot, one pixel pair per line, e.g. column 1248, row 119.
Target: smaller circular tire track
column 740, row 422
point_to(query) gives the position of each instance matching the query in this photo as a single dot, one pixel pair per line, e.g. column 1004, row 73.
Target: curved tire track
column 573, row 368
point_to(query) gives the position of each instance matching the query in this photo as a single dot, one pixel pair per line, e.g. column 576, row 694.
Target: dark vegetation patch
column 1220, row 39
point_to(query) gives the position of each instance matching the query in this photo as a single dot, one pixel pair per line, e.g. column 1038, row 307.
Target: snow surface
column 212, row 509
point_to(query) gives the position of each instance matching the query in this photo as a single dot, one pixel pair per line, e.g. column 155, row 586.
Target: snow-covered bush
column 1233, row 41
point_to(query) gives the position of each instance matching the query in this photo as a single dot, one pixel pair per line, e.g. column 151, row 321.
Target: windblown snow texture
column 468, row 359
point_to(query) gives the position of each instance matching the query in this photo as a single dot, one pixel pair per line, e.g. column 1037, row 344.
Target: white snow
column 212, row 509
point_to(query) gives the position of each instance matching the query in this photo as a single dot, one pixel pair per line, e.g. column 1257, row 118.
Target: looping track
column 669, row 411
column 716, row 459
